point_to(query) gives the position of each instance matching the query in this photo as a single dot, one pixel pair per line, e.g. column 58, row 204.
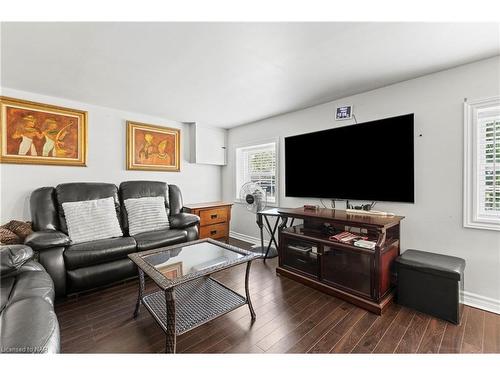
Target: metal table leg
column 140, row 294
column 247, row 291
column 170, row 342
column 272, row 231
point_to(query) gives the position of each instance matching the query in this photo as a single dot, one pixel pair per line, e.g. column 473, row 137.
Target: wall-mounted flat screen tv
column 371, row 161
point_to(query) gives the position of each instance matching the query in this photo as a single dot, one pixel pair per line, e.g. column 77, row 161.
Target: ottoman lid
column 437, row 264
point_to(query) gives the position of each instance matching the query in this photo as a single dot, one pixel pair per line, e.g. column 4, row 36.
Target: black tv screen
column 371, row 161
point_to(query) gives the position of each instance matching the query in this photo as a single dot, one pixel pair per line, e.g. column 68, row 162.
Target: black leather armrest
column 183, row 220
column 45, row 239
column 12, row 257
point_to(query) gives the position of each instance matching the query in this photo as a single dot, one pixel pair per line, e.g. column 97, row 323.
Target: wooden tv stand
column 358, row 275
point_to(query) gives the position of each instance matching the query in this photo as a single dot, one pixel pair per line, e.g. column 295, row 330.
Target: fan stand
column 268, row 251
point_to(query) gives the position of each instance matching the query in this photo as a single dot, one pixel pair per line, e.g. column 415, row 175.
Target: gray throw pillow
column 146, row 214
column 92, row 220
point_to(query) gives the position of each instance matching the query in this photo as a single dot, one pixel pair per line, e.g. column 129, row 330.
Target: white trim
column 470, row 217
column 482, row 302
column 244, row 237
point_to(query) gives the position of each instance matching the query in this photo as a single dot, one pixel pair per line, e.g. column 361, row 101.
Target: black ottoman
column 431, row 283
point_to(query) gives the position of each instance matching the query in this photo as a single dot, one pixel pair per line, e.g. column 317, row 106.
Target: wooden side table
column 214, row 219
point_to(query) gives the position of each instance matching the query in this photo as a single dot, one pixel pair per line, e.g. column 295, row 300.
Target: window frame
column 252, row 144
column 471, row 215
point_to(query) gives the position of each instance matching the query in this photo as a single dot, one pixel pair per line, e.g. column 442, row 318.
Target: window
column 258, row 164
column 482, row 164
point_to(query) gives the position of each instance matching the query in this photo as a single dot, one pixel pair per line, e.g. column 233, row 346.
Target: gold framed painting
column 152, row 148
column 37, row 133
column 171, row 271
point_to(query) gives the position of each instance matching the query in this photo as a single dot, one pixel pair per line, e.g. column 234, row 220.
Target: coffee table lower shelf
column 196, row 302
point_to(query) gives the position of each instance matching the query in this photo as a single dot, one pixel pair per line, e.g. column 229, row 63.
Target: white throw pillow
column 92, row 220
column 146, row 214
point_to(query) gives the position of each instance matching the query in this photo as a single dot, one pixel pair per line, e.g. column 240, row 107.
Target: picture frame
column 171, row 271
column 152, row 147
column 39, row 133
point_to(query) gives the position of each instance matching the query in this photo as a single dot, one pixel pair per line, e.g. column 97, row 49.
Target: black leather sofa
column 78, row 267
column 28, row 323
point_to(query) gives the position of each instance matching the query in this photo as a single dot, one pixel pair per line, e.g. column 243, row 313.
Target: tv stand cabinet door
column 347, row 269
column 297, row 256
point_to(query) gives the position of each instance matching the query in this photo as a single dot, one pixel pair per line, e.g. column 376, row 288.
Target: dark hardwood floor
column 291, row 318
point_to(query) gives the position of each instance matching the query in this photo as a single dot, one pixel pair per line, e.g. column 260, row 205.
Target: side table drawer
column 213, row 216
column 214, row 219
column 214, row 231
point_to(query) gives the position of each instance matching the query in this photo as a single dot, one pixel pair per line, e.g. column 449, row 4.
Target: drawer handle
column 212, row 232
column 213, row 216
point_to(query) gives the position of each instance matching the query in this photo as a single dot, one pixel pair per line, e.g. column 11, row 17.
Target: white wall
column 106, row 161
column 434, row 222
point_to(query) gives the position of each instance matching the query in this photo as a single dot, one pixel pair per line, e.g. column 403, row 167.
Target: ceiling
column 228, row 74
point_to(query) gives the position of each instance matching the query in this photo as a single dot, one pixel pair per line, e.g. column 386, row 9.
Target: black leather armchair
column 82, row 266
column 29, row 323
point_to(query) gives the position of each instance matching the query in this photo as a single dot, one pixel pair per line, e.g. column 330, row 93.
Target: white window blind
column 482, row 164
column 257, row 164
column 488, row 162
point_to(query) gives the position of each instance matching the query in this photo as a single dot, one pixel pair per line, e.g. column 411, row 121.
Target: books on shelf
column 365, row 244
column 347, row 237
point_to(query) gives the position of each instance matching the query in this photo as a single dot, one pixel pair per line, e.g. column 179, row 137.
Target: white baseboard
column 470, row 299
column 482, row 302
column 244, row 237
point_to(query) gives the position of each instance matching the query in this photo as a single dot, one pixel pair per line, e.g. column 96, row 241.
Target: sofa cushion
column 100, row 274
column 8, row 237
column 141, row 189
column 159, row 238
column 96, row 252
column 91, row 220
column 19, row 228
column 146, row 214
column 29, row 326
column 83, row 191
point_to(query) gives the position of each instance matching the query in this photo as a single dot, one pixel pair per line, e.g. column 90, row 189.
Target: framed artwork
column 152, row 148
column 172, row 270
column 36, row 133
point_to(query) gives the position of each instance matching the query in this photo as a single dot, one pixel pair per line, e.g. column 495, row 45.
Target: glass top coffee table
column 188, row 296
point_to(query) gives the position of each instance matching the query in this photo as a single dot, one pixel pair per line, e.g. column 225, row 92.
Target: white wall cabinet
column 208, row 144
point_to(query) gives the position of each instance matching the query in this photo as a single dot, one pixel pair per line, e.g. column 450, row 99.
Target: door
column 348, row 269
